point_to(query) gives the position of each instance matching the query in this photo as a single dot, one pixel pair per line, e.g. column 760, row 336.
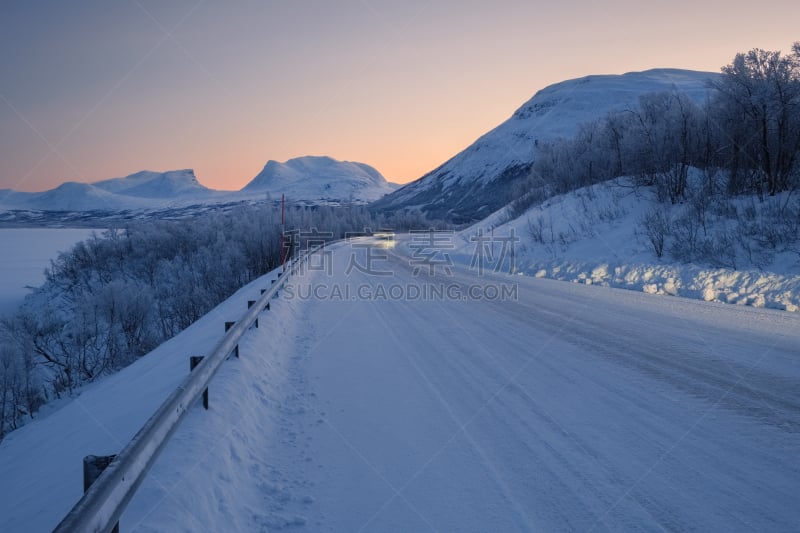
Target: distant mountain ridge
column 147, row 184
column 303, row 179
column 466, row 188
column 479, row 180
column 142, row 190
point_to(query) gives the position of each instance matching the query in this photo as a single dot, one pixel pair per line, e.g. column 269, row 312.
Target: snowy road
column 567, row 407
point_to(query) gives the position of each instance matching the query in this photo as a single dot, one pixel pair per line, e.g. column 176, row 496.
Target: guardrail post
column 194, row 360
column 266, row 307
column 93, row 466
column 229, row 325
column 251, row 303
column 263, row 291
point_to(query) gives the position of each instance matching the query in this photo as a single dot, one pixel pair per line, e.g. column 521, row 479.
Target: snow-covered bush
column 656, row 226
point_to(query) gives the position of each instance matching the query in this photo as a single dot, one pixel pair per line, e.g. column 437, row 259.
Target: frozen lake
column 26, row 252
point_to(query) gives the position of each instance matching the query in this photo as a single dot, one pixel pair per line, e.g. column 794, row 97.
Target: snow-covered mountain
column 313, row 178
column 306, row 179
column 10, row 197
column 73, row 196
column 147, row 184
column 143, row 190
column 479, row 180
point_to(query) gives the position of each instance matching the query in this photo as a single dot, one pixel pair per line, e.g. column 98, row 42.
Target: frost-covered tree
column 585, row 159
column 664, row 142
column 758, row 106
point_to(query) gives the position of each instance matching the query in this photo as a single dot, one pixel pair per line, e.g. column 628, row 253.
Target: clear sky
column 94, row 89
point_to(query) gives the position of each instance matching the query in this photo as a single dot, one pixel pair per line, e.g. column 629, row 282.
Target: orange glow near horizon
column 102, row 93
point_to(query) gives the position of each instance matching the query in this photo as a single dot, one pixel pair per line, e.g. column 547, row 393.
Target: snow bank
column 593, row 236
column 757, row 289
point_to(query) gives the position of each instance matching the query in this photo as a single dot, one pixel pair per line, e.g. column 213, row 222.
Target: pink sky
column 103, row 90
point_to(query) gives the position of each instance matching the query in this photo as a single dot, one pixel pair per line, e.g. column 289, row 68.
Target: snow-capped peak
column 320, row 177
column 158, row 185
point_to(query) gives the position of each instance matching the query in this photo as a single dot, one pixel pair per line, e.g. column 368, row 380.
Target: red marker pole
column 492, row 243
column 283, row 233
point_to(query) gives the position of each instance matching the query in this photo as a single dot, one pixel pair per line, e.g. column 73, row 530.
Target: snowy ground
column 27, row 252
column 593, row 236
column 361, row 405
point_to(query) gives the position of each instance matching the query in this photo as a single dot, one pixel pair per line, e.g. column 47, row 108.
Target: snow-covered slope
column 478, row 181
column 312, row 178
column 74, row 196
column 11, row 199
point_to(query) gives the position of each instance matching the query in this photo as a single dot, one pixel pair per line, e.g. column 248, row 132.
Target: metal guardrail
column 104, row 502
